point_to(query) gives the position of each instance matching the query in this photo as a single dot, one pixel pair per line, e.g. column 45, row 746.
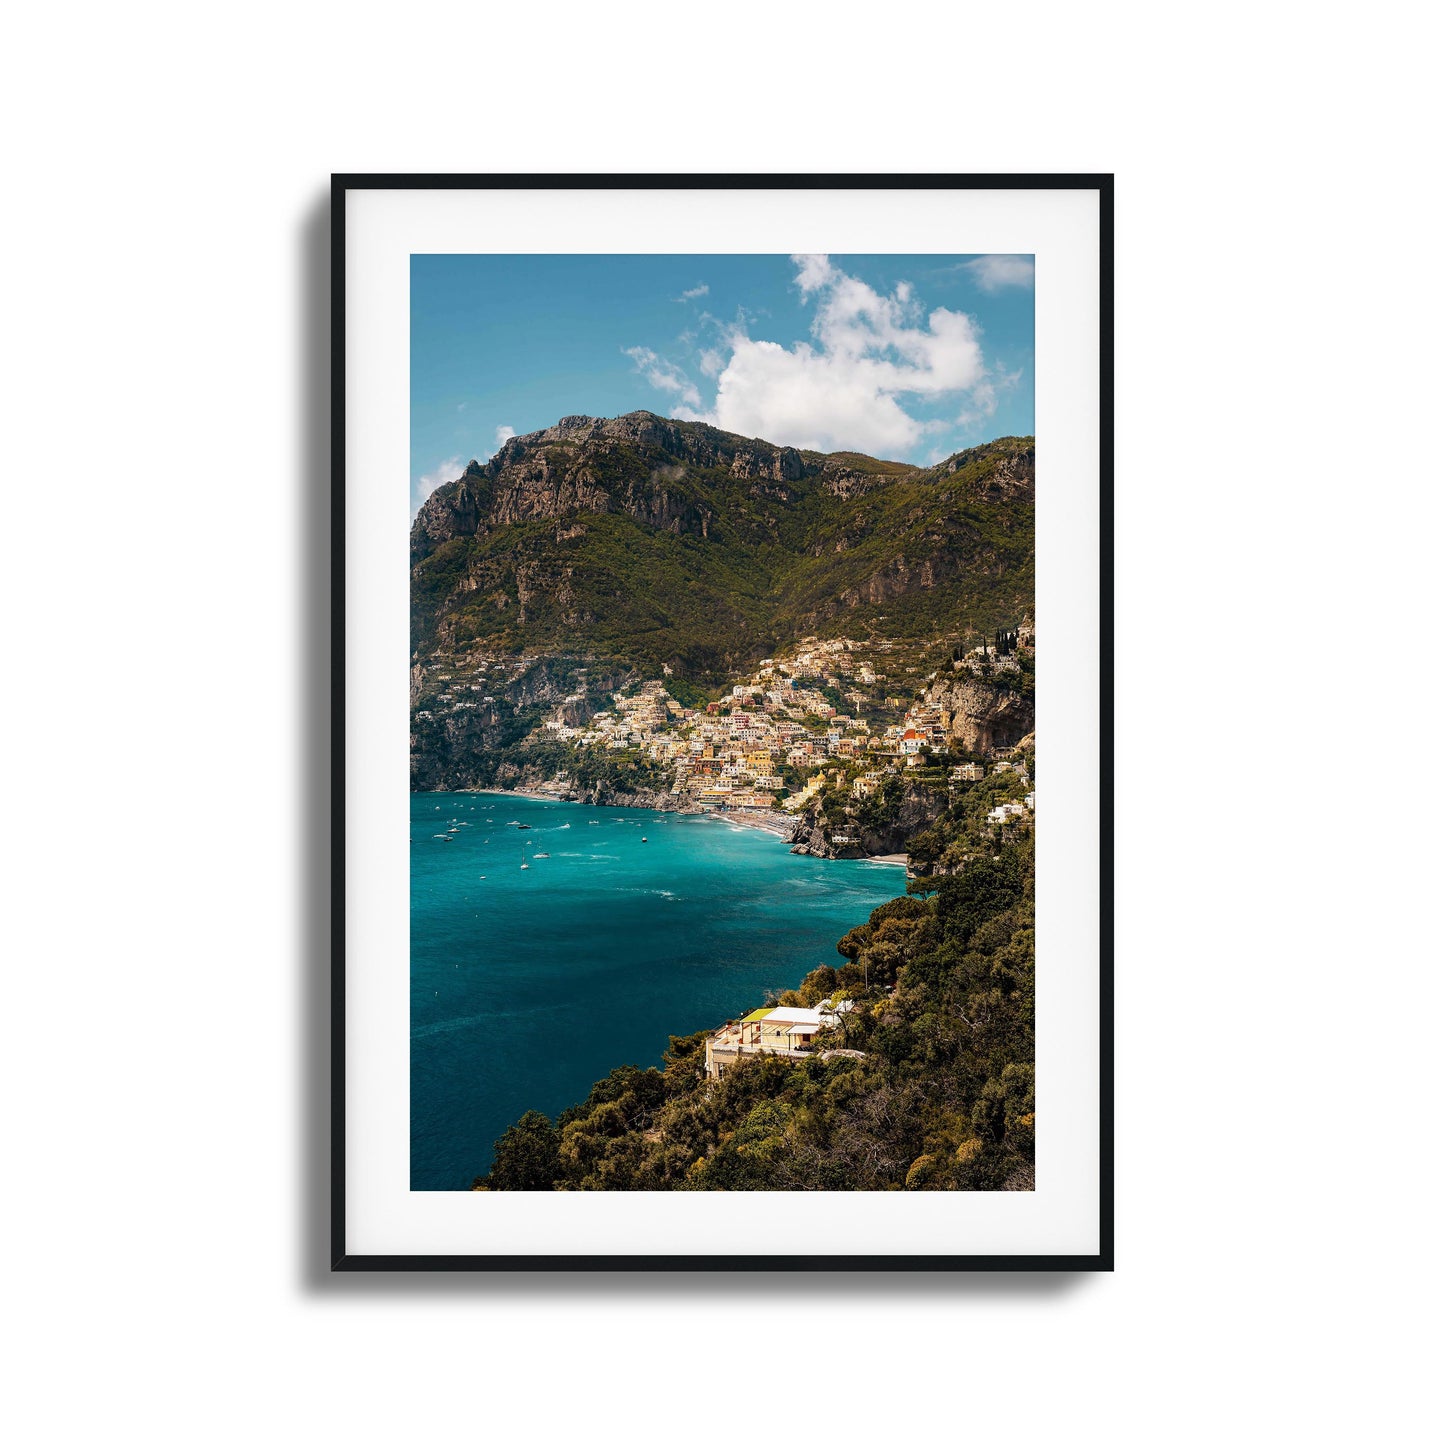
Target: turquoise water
column 529, row 985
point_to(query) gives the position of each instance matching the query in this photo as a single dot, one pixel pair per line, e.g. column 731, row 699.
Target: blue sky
column 904, row 357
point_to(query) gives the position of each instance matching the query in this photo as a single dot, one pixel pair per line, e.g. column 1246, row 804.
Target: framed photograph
column 722, row 736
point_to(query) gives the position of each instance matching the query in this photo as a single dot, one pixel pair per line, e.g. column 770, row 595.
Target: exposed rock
column 449, row 750
column 814, row 835
column 1007, row 476
column 843, row 481
column 981, row 715
column 595, row 464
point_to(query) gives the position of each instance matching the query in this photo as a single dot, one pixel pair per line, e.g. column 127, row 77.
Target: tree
column 526, row 1156
column 982, row 890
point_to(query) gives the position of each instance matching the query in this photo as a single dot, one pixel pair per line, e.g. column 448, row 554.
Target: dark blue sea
column 528, row 985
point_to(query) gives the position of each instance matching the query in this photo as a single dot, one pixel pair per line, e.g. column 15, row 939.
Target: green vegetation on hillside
column 661, row 560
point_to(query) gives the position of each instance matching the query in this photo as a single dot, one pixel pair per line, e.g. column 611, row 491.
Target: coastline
column 781, row 825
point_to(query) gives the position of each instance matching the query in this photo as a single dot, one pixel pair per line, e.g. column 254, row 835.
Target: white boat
column 541, row 855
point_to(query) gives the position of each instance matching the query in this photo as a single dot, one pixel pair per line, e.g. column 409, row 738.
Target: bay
column 529, row 985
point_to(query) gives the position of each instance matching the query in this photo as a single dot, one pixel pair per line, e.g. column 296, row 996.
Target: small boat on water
column 644, row 837
column 522, row 826
column 541, row 855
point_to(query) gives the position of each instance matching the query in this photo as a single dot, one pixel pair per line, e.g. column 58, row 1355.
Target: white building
column 1005, row 811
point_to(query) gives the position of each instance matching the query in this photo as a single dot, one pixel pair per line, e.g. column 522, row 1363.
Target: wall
column 166, row 460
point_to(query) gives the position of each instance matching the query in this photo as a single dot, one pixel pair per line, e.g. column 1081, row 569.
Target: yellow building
column 786, row 1032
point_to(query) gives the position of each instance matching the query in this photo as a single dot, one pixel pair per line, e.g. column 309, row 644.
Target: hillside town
column 779, row 737
column 824, row 716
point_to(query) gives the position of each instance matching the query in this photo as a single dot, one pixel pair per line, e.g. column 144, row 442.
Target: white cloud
column 878, row 373
column 504, row 435
column 845, row 388
column 665, row 375
column 694, row 292
column 813, row 272
column 993, row 273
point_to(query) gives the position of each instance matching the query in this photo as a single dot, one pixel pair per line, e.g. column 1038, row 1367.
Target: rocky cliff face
column 628, row 464
column 451, row 749
column 814, row 835
column 982, row 715
column 994, row 475
column 632, row 464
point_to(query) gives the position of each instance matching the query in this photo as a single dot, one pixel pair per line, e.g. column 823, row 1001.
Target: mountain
column 642, row 543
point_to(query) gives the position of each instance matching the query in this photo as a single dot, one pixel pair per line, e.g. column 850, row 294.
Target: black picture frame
column 341, row 1259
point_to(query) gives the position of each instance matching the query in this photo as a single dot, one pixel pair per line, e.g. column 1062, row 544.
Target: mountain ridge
column 664, row 543
column 842, row 473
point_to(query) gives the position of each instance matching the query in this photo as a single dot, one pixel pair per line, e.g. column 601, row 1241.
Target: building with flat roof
column 785, row 1032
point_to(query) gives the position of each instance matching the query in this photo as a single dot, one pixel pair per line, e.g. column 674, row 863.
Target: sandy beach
column 779, row 823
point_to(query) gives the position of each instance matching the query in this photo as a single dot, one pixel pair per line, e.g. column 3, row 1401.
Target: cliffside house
column 1005, row 811
column 787, row 1032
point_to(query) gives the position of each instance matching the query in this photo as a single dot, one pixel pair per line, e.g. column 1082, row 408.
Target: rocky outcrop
column 450, row 745
column 901, row 576
column 1002, row 470
column 814, row 835
column 842, row 481
column 782, row 464
column 983, row 715
column 455, row 514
